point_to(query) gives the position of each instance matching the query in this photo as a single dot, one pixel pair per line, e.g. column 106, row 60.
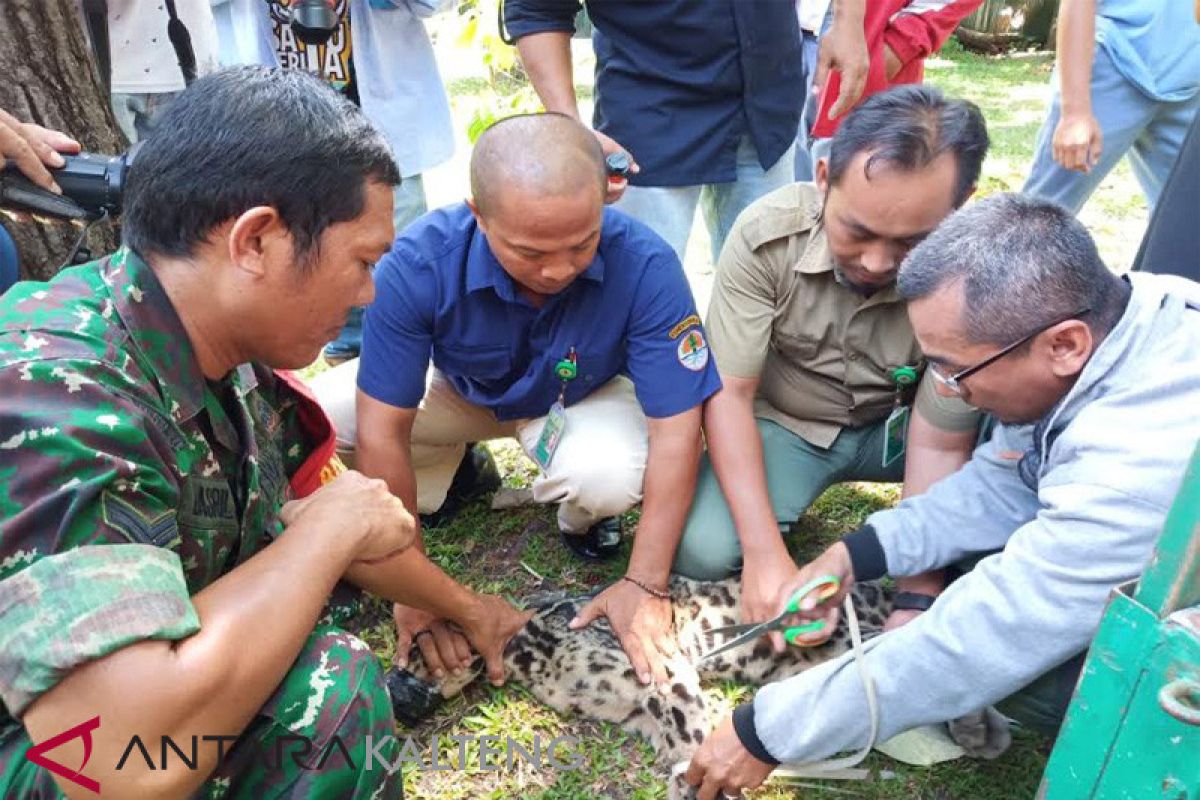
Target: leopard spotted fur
column 586, row 672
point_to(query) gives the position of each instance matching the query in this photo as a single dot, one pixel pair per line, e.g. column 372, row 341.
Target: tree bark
column 50, row 78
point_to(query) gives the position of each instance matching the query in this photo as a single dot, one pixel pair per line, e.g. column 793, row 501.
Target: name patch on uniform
column 207, row 503
column 693, row 350
column 690, row 321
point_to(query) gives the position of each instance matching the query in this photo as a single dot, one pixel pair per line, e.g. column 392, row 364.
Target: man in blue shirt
column 1127, row 81
column 704, row 94
column 530, row 298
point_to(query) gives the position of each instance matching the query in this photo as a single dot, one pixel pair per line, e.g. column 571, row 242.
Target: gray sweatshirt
column 1113, row 454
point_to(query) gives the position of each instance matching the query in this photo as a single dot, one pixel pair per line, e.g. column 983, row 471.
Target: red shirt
column 913, row 29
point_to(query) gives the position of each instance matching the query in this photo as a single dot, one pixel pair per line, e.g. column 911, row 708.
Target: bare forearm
column 735, row 449
column 390, row 460
column 547, row 60
column 931, row 454
column 254, row 621
column 670, row 482
column 1076, row 43
column 413, row 580
column 850, row 12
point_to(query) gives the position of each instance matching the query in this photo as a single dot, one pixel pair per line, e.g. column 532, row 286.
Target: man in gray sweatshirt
column 1096, row 382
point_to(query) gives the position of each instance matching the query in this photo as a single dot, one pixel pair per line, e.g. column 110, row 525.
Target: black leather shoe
column 601, row 542
column 476, row 476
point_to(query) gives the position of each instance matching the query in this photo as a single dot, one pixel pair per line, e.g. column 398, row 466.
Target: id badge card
column 552, row 431
column 895, row 434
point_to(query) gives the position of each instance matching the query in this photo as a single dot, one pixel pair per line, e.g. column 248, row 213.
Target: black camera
column 91, row 183
column 313, row 21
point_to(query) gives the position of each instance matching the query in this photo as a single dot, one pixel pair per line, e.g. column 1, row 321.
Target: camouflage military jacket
column 128, row 482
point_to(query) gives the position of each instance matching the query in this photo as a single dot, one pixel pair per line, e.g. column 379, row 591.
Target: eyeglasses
column 954, row 382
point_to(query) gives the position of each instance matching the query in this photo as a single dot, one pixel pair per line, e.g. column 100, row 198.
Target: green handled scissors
column 824, row 588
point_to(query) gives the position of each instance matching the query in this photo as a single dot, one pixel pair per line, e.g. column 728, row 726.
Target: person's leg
column 668, row 210
column 10, row 262
column 314, row 736
column 444, row 424
column 722, row 202
column 797, row 473
column 817, row 149
column 867, row 464
column 1122, row 113
column 20, row 777
column 1172, row 238
column 334, row 693
column 149, row 108
column 1042, row 704
column 598, row 467
column 123, row 112
column 809, row 46
column 1155, row 152
column 408, row 204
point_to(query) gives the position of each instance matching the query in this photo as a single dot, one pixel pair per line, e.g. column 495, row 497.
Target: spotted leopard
column 586, row 672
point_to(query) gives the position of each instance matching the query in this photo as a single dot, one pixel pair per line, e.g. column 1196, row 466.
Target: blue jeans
column 669, row 210
column 804, row 163
column 9, row 262
column 1150, row 131
column 806, row 160
column 409, row 201
column 136, row 113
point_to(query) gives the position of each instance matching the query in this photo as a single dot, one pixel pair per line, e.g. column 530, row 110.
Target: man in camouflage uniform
column 153, row 572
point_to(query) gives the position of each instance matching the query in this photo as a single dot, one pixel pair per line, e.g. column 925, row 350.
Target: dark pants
column 1172, row 242
column 9, row 263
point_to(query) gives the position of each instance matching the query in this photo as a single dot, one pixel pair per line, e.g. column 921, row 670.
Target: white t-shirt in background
column 143, row 59
column 811, row 14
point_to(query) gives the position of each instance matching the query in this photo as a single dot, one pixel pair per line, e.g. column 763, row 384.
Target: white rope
column 844, row 767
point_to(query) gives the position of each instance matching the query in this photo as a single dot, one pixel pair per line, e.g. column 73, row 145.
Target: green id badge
column 552, row 431
column 896, row 432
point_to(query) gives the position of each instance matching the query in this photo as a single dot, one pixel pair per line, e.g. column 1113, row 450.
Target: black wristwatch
column 912, row 601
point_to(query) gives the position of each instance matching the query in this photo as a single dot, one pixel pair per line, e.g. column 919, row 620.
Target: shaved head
column 540, row 155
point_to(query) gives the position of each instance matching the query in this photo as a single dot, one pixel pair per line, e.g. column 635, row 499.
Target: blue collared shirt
column 679, row 82
column 442, row 295
column 1155, row 46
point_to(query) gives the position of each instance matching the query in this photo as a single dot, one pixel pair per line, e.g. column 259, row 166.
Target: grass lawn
column 516, row 552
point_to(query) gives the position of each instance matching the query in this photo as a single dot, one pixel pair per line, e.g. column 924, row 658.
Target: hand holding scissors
column 810, row 595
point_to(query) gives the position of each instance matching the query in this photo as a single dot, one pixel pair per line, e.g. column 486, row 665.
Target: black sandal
column 601, row 542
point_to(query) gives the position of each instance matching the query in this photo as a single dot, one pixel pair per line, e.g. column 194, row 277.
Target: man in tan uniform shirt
column 815, row 348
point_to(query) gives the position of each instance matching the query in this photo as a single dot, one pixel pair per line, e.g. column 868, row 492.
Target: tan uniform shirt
column 823, row 353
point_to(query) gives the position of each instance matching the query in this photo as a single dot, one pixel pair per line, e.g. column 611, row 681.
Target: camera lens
column 313, row 21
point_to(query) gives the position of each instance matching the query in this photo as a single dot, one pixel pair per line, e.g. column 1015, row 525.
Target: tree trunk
column 51, row 78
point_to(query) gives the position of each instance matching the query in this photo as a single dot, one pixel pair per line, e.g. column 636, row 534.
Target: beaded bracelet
column 661, row 595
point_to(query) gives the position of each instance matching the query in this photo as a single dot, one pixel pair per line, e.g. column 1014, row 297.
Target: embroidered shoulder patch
column 690, row 321
column 693, row 350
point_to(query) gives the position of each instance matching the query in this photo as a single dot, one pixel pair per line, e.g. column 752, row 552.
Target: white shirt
column 395, row 68
column 143, row 59
column 811, row 14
